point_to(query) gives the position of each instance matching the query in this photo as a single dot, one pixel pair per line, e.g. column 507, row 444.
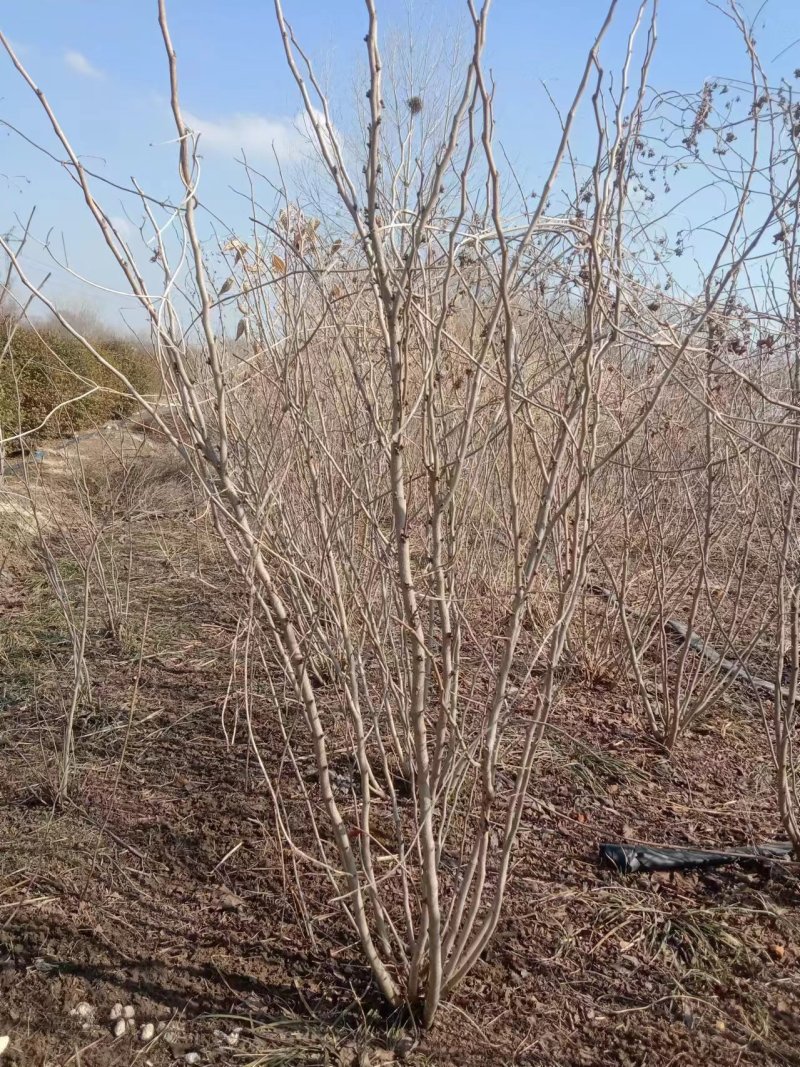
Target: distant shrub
column 41, row 368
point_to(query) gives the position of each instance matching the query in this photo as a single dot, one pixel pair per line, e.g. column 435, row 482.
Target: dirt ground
column 159, row 886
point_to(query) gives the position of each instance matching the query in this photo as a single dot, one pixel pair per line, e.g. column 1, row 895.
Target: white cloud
column 78, row 62
column 122, row 226
column 254, row 134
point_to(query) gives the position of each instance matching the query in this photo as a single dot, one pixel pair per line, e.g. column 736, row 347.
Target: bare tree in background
column 782, row 347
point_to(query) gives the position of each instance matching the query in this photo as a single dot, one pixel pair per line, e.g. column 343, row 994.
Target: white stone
column 119, row 1028
column 148, row 1032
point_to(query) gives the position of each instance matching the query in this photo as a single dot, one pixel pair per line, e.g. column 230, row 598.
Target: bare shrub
column 403, row 427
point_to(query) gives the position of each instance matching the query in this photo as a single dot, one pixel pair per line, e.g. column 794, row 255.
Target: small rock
column 116, row 1012
column 119, row 1028
column 191, row 1057
column 381, row 1055
column 231, row 1039
column 404, row 1046
column 84, row 1010
column 4, row 1042
column 229, row 901
column 128, row 1012
column 348, row 1054
column 147, row 1032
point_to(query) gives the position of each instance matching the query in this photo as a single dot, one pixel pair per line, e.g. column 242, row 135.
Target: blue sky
column 102, row 65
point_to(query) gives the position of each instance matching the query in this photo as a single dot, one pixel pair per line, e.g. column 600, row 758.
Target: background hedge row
column 42, row 367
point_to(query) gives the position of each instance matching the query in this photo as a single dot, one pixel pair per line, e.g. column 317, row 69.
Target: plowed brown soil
column 161, row 884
